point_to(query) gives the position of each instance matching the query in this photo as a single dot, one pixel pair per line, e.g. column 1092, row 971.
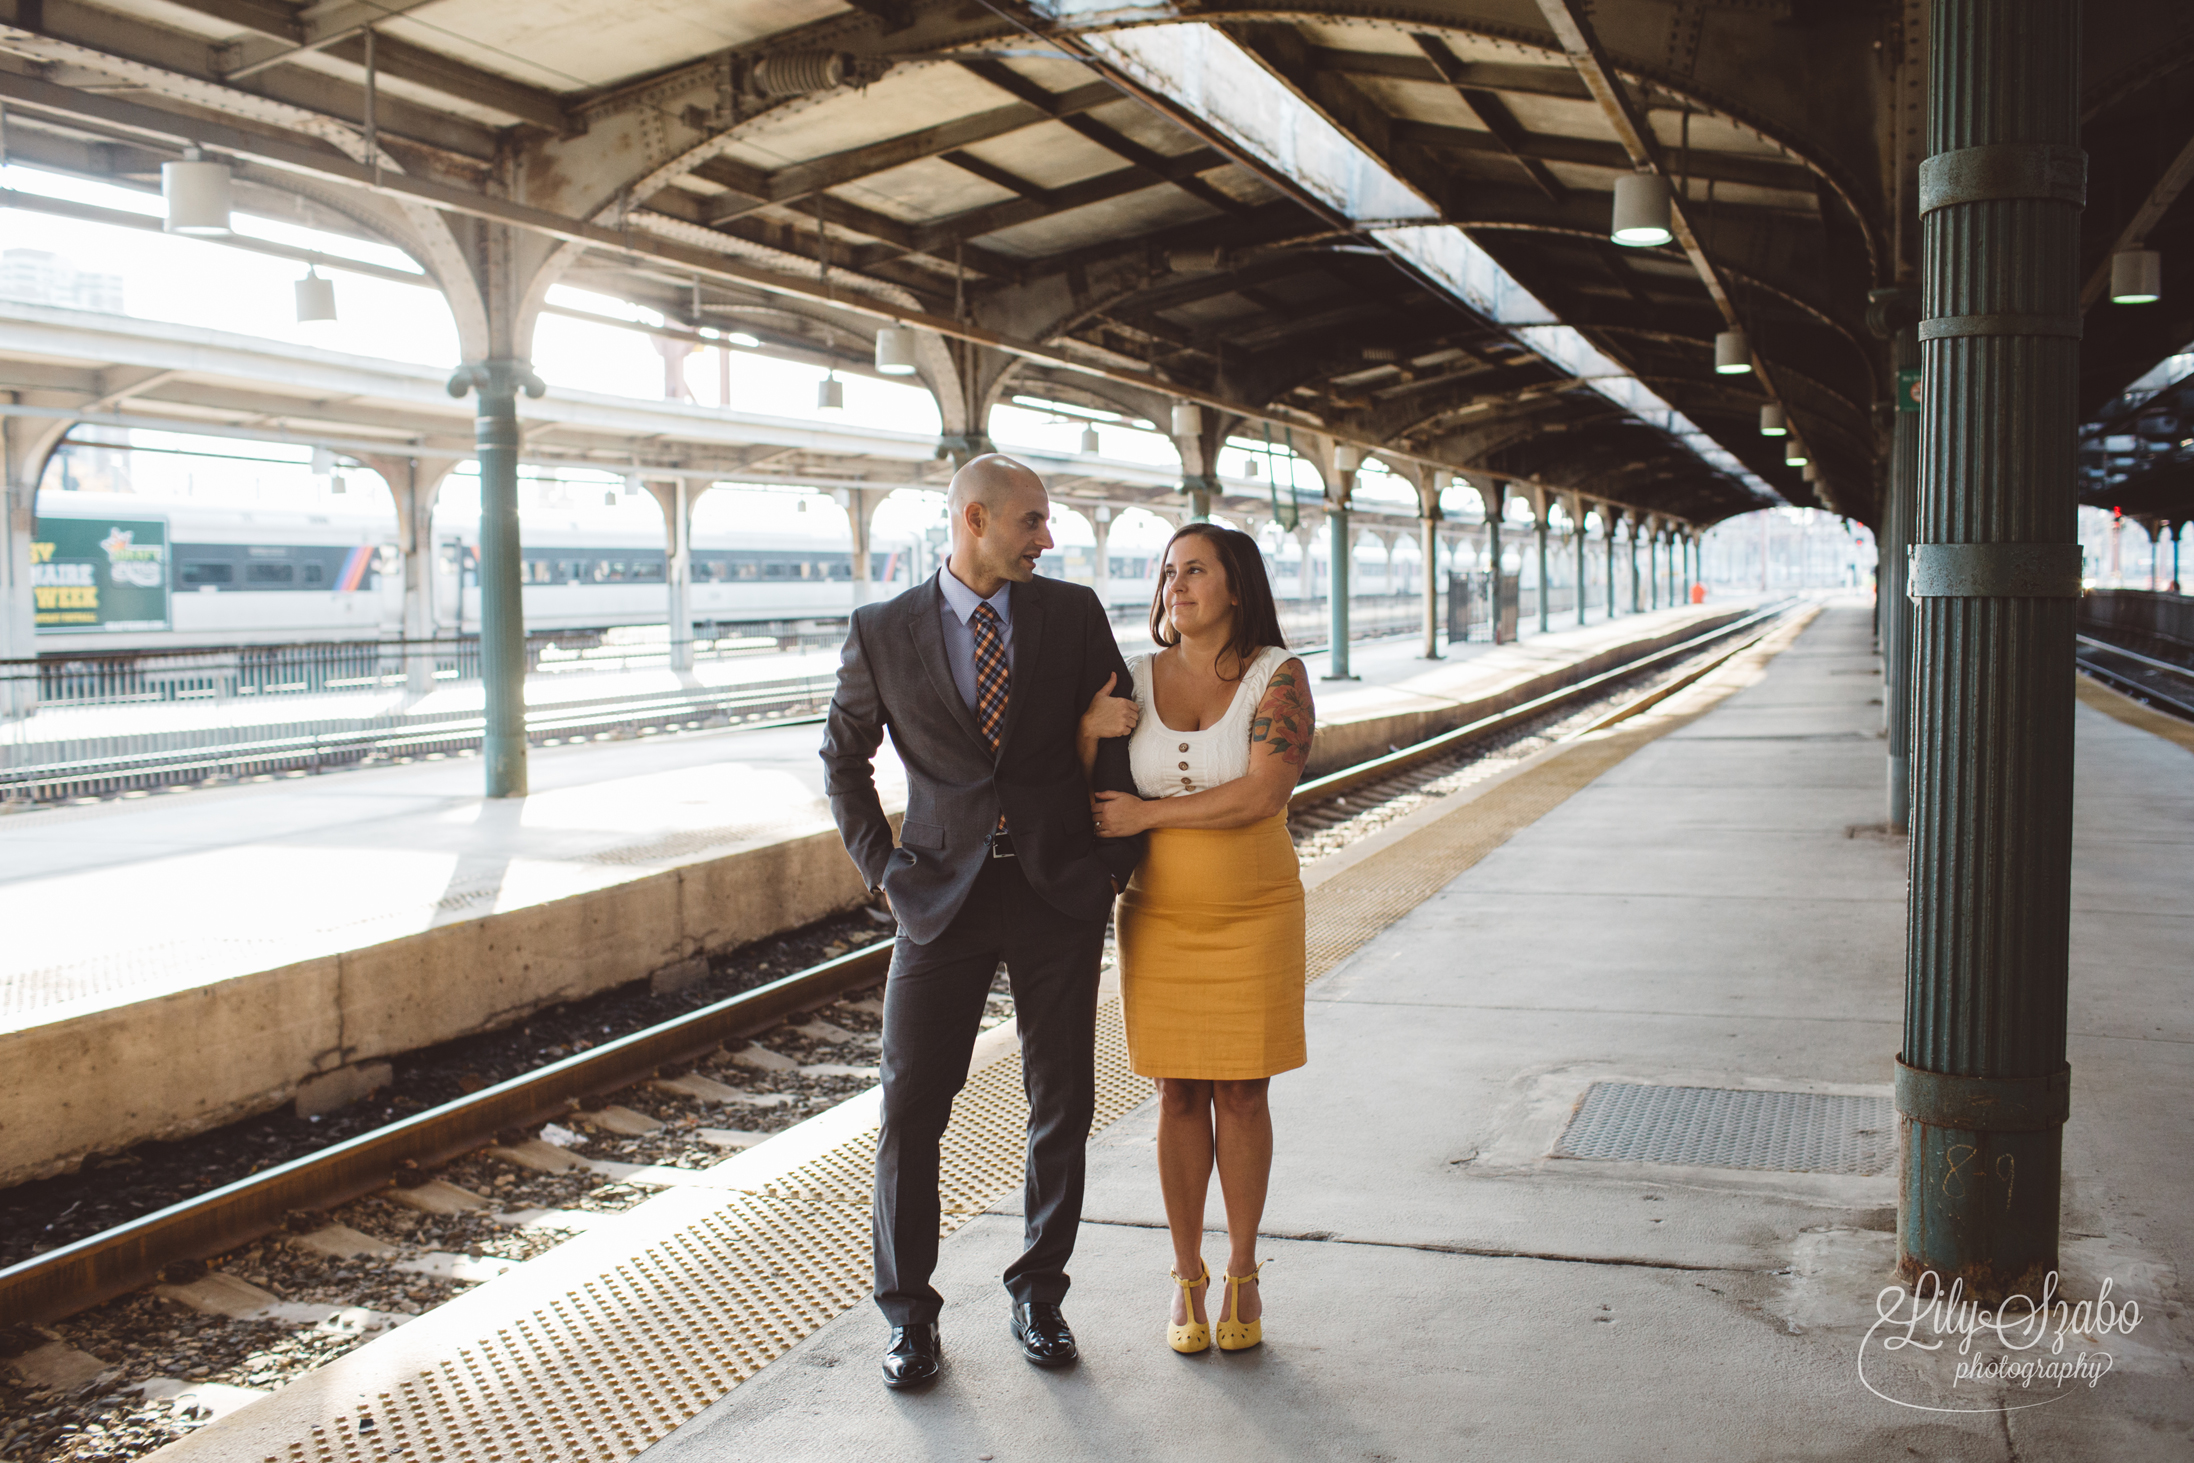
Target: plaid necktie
column 992, row 679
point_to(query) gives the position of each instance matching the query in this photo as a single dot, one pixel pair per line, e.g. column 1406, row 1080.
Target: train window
column 270, row 573
column 203, row 573
column 314, row 573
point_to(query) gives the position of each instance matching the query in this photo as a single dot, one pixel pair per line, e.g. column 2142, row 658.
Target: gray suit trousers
column 933, row 1008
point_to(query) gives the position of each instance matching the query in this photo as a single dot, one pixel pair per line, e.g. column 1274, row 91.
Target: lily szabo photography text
column 2023, row 1347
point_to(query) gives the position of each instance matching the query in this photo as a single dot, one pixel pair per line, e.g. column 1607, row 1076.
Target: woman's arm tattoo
column 1285, row 718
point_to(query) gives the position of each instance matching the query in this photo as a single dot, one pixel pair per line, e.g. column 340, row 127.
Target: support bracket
column 1984, row 1104
column 1993, row 571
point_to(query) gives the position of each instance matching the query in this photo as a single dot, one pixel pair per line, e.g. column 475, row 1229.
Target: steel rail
column 2181, row 679
column 129, row 1256
column 1348, row 779
column 81, row 1274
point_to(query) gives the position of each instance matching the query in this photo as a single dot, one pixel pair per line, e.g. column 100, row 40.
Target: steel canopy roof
column 1038, row 192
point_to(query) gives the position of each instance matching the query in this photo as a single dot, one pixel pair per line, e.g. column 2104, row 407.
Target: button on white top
column 1159, row 754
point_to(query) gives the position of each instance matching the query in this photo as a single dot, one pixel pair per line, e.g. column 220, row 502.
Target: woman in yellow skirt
column 1211, row 924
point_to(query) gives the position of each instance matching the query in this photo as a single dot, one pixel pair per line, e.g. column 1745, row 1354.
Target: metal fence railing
column 318, row 668
column 61, row 769
column 328, row 733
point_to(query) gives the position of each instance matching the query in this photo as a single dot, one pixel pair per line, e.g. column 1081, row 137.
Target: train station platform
column 1511, row 1214
column 307, row 927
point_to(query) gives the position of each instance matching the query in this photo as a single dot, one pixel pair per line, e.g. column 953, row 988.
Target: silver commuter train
column 269, row 576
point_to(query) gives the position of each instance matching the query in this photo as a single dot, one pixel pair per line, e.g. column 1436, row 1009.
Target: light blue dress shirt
column 959, row 608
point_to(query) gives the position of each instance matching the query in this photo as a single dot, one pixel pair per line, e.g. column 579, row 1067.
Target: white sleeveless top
column 1168, row 763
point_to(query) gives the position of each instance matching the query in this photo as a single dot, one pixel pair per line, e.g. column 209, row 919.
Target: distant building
column 37, row 277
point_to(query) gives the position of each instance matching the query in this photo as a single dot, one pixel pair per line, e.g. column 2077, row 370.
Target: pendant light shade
column 1188, row 419
column 197, row 194
column 830, row 395
column 1732, row 354
column 1771, row 421
column 895, row 351
column 609, row 497
column 1347, row 458
column 1090, row 443
column 2136, row 277
column 1793, row 452
column 1249, row 467
column 315, row 297
column 1812, row 473
column 632, row 484
column 1641, row 211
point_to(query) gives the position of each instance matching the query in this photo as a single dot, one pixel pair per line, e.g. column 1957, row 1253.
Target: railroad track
column 2162, row 684
column 406, row 1154
column 199, row 757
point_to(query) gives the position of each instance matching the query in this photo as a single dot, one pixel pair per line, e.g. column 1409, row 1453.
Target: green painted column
column 1580, row 565
column 1198, row 491
column 1614, row 525
column 1982, row 1086
column 1896, row 312
column 495, row 385
column 1496, row 505
column 1546, row 589
column 1337, row 592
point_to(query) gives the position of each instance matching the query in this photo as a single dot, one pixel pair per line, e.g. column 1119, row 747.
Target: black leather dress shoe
column 1043, row 1333
column 915, row 1355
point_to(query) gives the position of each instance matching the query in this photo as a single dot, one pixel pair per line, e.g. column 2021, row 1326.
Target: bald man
column 982, row 675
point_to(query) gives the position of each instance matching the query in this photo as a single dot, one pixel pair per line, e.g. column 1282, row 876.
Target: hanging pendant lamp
column 2136, row 277
column 895, row 351
column 1090, row 443
column 1771, row 421
column 1641, row 211
column 197, row 194
column 315, row 297
column 1732, row 354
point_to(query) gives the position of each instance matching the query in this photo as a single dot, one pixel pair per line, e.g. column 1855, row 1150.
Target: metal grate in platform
column 1724, row 1127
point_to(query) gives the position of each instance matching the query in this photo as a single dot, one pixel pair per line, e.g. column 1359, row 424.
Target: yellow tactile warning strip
column 625, row 1335
column 2124, row 708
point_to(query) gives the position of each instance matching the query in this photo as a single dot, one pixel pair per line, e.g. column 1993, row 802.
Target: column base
column 1980, row 1163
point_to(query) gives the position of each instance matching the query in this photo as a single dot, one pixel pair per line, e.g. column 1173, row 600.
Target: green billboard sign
column 99, row 574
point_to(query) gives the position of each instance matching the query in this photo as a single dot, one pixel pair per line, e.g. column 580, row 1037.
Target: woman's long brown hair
column 1256, row 616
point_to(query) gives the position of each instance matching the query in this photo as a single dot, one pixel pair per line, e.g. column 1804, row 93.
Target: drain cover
column 1725, row 1127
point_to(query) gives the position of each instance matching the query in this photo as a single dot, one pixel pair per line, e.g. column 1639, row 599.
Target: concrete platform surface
column 1722, row 910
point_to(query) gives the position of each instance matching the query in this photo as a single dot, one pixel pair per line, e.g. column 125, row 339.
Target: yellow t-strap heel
column 1236, row 1334
column 1196, row 1335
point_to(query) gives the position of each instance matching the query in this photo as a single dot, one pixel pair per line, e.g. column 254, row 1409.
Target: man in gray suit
column 982, row 675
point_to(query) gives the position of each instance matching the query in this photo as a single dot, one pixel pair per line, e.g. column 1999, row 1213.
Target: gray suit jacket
column 894, row 673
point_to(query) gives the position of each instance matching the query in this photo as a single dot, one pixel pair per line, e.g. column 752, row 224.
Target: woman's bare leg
column 1244, row 1149
column 1184, row 1177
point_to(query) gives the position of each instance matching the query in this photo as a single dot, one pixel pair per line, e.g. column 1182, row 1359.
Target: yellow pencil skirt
column 1211, row 954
